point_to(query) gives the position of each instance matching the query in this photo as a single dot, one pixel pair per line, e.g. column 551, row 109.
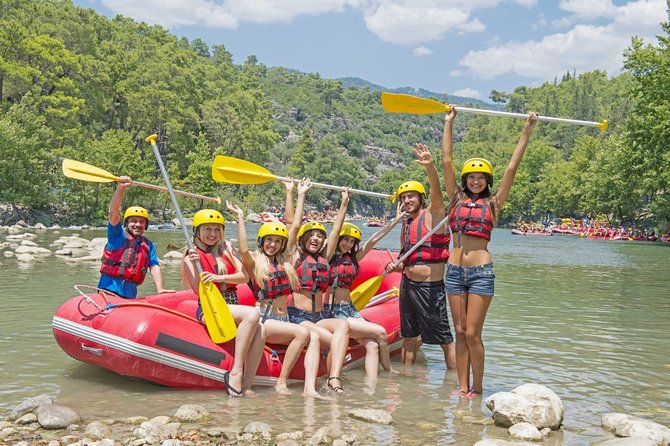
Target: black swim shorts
column 423, row 311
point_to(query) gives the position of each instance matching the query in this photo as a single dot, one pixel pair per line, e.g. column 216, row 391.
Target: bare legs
column 375, row 340
column 249, row 344
column 296, row 338
column 333, row 335
column 468, row 312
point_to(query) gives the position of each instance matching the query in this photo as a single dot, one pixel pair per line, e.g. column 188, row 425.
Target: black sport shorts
column 423, row 311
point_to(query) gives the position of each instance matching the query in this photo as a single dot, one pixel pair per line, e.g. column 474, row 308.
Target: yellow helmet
column 136, row 211
column 312, row 225
column 205, row 216
column 351, row 230
column 479, row 165
column 272, row 228
column 409, row 186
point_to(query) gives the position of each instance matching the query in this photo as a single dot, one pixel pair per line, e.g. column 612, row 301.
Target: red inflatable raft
column 158, row 339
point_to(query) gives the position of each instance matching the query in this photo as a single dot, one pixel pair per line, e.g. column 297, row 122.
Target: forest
column 78, row 85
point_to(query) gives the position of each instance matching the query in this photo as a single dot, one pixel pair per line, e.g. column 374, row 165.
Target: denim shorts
column 273, row 316
column 469, row 279
column 296, row 315
column 340, row 311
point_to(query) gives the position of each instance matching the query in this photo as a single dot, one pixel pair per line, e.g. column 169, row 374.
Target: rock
column 525, row 431
column 21, row 224
column 64, row 252
column 53, row 416
column 492, row 442
column 173, row 255
column 531, row 403
column 258, row 428
column 25, row 258
column 295, row 436
column 8, row 253
column 629, row 426
column 29, row 405
column 323, row 435
column 25, row 242
column 27, row 419
column 136, row 420
column 191, row 412
column 98, row 430
column 39, row 226
column 372, row 416
column 637, row 441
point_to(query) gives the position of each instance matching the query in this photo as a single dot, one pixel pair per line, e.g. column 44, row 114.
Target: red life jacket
column 130, row 262
column 472, row 218
column 343, row 271
column 313, row 273
column 278, row 284
column 210, row 265
column 433, row 250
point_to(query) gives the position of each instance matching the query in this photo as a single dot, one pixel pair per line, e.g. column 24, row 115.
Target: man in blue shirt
column 128, row 255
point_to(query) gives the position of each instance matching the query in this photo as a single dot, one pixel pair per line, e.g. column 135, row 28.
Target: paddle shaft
column 521, row 115
column 111, row 177
column 189, row 242
column 340, row 188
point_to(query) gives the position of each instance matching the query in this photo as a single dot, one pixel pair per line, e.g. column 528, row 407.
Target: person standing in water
column 469, row 278
column 423, row 305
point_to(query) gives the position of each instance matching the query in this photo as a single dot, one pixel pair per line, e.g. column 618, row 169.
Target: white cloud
column 403, row 22
column 468, row 93
column 455, row 73
column 584, row 47
column 588, row 9
column 527, row 3
column 223, row 13
column 175, row 12
column 422, row 51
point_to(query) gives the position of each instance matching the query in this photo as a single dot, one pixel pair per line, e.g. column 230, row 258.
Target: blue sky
column 460, row 47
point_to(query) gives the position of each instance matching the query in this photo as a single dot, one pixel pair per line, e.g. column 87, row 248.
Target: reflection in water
column 586, row 318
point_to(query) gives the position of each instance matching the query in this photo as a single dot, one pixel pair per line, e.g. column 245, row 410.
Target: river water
column 586, row 318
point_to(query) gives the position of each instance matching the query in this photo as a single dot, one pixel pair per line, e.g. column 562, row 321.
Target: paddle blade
column 404, row 103
column 86, row 172
column 226, row 169
column 218, row 318
column 362, row 294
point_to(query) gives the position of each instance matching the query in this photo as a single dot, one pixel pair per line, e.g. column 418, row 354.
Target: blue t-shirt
column 116, row 237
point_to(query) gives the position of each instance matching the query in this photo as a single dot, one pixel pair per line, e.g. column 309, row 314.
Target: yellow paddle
column 362, row 294
column 86, row 172
column 404, row 103
column 218, row 319
column 226, row 169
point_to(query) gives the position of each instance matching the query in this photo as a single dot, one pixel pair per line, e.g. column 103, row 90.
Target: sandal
column 231, row 390
column 336, row 389
column 472, row 394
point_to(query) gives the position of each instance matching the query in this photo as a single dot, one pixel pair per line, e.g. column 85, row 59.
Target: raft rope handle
column 111, row 306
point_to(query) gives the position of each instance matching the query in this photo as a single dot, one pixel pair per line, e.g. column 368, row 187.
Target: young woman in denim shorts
column 343, row 271
column 272, row 279
column 469, row 277
column 310, row 255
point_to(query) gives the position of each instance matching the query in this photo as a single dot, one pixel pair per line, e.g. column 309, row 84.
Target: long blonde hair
column 262, row 269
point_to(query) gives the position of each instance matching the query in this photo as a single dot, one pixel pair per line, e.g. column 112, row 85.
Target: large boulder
column 629, row 426
column 530, row 403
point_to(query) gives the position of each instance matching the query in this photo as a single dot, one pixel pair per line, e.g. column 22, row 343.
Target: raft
column 158, row 339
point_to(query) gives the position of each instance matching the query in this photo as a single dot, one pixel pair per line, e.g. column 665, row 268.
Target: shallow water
column 586, row 318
